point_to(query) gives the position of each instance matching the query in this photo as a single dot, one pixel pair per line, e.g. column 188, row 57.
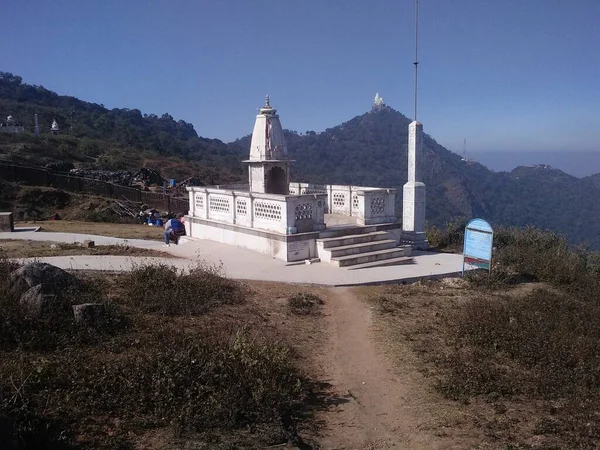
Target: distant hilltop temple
column 378, row 103
column 11, row 126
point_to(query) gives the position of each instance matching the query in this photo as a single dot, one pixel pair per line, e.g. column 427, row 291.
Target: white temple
column 11, row 126
column 378, row 103
column 346, row 226
column 54, row 128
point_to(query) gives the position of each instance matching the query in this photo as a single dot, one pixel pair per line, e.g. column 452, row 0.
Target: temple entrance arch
column 276, row 181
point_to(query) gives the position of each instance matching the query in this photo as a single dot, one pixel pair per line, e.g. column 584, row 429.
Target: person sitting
column 174, row 229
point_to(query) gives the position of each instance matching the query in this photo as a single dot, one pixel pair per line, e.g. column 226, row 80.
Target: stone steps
column 381, row 263
column 330, row 233
column 357, row 248
column 340, row 241
column 363, row 247
column 367, row 257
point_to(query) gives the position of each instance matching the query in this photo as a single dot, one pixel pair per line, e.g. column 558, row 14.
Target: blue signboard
column 479, row 238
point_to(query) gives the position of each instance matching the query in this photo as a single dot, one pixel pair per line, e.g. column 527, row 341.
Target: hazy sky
column 505, row 74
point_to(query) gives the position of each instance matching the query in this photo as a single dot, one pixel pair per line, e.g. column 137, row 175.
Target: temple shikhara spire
column 269, row 166
column 378, row 103
column 413, row 193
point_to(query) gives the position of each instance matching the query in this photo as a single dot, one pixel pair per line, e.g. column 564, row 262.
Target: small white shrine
column 347, row 226
column 54, row 128
column 11, row 126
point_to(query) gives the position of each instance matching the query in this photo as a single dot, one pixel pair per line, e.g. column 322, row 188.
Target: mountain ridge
column 369, row 149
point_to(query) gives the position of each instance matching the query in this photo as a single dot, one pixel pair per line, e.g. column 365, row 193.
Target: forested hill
column 371, row 150
column 95, row 135
column 594, row 179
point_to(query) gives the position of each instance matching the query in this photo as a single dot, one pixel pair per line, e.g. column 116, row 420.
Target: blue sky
column 508, row 75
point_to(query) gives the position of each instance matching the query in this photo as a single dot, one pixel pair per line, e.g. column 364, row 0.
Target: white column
column 413, row 199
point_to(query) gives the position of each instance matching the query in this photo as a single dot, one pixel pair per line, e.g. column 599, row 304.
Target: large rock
column 35, row 273
column 43, row 300
column 43, row 289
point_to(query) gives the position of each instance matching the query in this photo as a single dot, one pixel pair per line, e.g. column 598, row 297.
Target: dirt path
column 379, row 406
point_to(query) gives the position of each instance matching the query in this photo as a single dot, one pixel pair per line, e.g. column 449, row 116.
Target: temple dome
column 268, row 141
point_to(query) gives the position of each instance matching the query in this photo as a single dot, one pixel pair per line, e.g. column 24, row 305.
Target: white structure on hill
column 287, row 220
column 11, row 126
column 378, row 103
column 54, row 128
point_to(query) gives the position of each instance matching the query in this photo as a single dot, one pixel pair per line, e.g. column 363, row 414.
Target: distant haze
column 579, row 164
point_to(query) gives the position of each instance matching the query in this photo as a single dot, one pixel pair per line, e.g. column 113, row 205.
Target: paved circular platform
column 240, row 263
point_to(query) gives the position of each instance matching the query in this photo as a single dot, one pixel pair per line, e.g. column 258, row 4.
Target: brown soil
column 41, row 249
column 380, row 405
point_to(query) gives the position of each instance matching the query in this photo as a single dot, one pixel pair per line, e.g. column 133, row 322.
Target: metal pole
column 416, row 63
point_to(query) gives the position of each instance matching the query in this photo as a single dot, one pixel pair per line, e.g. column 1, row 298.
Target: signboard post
column 477, row 251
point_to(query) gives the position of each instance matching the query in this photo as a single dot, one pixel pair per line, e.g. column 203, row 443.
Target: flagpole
column 416, row 63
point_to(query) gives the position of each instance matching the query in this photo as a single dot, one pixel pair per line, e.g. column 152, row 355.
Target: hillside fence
column 34, row 176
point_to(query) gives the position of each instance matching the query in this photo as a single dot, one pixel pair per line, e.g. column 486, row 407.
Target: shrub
column 171, row 291
column 450, row 237
column 536, row 255
column 544, row 345
column 192, row 382
column 304, row 303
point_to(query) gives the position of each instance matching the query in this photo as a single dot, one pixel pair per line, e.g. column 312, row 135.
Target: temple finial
column 267, row 101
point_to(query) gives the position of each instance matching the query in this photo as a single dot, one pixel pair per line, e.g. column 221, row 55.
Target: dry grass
column 118, row 230
column 524, row 361
column 304, row 303
column 40, row 249
column 218, row 377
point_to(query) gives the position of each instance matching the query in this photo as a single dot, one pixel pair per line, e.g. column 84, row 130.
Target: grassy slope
column 185, row 366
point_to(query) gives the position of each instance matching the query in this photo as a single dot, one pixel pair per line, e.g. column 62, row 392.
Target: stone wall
column 285, row 214
column 369, row 204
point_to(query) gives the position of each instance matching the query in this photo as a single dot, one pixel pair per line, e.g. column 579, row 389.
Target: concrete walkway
column 240, row 263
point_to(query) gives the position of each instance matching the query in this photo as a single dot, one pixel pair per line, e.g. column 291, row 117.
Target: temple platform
column 342, row 243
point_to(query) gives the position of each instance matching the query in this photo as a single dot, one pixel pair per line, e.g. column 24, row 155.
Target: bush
column 530, row 254
column 304, row 303
column 544, row 345
column 192, row 382
column 451, row 237
column 542, row 255
column 59, row 380
column 171, row 291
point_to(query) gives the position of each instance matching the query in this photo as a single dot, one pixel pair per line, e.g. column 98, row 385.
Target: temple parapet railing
column 285, row 214
column 370, row 205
